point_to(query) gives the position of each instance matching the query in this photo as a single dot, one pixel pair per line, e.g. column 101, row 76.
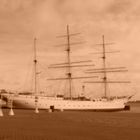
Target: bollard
column 1, row 113
column 49, row 110
column 11, row 112
column 36, row 110
column 61, row 109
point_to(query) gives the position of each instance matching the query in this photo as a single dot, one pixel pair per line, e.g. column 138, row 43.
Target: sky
column 22, row 20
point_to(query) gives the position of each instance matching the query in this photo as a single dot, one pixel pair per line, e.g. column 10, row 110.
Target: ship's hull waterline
column 29, row 102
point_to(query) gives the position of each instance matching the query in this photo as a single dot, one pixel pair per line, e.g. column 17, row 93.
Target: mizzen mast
column 106, row 69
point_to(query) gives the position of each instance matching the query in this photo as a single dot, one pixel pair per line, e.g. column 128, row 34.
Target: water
column 26, row 125
column 135, row 107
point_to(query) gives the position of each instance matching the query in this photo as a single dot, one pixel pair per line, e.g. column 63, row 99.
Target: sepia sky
column 22, row 20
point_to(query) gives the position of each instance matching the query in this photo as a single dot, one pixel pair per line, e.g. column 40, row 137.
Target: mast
column 69, row 62
column 35, row 78
column 104, row 67
column 35, row 68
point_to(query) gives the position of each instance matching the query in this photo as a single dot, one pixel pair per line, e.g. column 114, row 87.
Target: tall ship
column 61, row 102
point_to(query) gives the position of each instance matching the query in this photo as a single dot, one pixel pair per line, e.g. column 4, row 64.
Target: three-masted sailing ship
column 36, row 101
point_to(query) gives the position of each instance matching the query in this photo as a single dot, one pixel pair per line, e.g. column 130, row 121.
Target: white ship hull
column 28, row 102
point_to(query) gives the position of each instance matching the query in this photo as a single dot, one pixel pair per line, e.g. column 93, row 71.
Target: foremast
column 35, row 68
column 35, row 78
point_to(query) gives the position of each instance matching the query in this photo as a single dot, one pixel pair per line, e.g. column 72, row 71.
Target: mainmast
column 68, row 49
column 70, row 64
